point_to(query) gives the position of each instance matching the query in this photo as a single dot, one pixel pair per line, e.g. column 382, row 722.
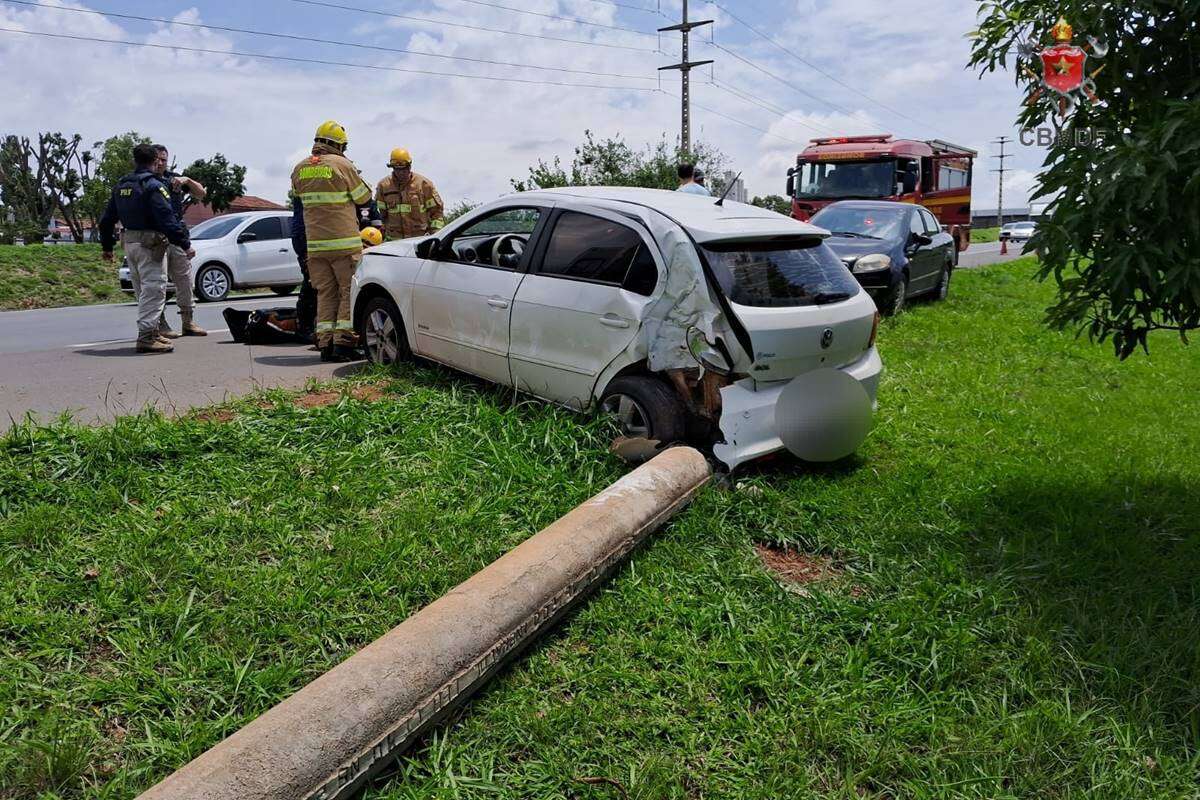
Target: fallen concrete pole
column 333, row 735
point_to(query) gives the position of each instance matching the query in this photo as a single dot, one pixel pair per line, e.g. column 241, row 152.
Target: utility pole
column 685, row 67
column 1003, row 142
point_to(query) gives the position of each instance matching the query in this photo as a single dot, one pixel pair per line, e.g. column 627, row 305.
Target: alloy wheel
column 383, row 340
column 214, row 284
column 629, row 415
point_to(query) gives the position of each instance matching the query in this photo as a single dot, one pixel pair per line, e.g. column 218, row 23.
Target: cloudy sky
column 836, row 66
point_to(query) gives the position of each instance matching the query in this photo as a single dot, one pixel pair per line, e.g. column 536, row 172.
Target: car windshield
column 845, row 179
column 216, row 227
column 857, row 223
column 780, row 272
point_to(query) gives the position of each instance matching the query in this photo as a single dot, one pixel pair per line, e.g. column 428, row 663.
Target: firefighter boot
column 165, row 331
column 190, row 328
column 149, row 342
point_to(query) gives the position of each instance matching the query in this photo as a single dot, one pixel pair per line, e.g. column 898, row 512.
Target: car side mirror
column 921, row 240
column 791, row 183
column 246, row 237
column 427, row 248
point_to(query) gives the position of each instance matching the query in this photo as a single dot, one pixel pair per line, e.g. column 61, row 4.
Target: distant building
column 197, row 212
column 738, row 192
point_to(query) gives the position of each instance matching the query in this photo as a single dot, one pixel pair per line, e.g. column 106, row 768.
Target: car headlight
column 873, row 263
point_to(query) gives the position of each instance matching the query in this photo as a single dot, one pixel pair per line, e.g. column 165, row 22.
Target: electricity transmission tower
column 1003, row 142
column 685, row 67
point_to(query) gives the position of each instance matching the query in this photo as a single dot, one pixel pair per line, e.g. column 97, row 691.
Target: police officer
column 408, row 201
column 142, row 204
column 331, row 192
column 179, row 266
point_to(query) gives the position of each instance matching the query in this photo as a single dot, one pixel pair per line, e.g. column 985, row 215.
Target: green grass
column 45, row 276
column 982, row 235
column 1019, row 615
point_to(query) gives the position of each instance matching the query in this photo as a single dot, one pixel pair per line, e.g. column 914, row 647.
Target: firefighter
column 408, row 201
column 142, row 204
column 330, row 192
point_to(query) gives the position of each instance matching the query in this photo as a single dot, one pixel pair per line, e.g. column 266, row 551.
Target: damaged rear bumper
column 748, row 419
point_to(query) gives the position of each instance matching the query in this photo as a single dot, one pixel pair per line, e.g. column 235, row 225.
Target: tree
column 774, row 202
column 223, row 181
column 611, row 162
column 115, row 160
column 21, row 183
column 40, row 181
column 1122, row 237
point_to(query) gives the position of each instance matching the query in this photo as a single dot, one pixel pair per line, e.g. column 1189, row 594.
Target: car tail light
column 874, row 330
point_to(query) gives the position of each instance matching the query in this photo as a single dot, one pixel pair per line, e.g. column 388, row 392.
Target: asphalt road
column 81, row 360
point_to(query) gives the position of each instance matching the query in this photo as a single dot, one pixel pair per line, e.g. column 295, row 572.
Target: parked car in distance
column 895, row 250
column 688, row 321
column 1018, row 231
column 239, row 251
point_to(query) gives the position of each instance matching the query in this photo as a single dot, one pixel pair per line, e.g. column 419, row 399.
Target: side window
column 591, row 249
column 643, row 274
column 932, row 226
column 915, row 224
column 510, row 220
column 265, row 229
column 497, row 240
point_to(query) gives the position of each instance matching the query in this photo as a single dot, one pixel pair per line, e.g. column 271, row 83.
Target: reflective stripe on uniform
column 325, row 245
column 360, row 193
column 403, row 208
column 343, row 325
column 430, row 203
column 437, row 223
column 324, row 326
column 324, row 198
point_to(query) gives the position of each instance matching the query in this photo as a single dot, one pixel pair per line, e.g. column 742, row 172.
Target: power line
column 784, row 81
column 296, row 38
column 685, row 68
column 629, row 6
column 393, row 15
column 743, row 123
column 324, row 62
column 576, row 20
column 771, row 107
column 814, row 67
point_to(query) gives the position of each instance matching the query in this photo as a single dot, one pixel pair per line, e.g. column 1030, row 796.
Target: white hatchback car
column 240, row 251
column 686, row 319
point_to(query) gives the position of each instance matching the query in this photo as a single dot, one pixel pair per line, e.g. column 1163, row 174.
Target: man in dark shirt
column 142, row 204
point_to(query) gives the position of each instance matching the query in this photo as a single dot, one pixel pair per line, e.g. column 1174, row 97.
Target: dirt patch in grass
column 318, row 399
column 369, row 392
column 363, row 392
column 796, row 568
column 218, row 415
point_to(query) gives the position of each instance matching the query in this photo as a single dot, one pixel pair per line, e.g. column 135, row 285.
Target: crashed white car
column 721, row 324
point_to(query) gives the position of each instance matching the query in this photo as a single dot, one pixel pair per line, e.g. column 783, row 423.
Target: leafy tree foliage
column 774, row 202
column 1122, row 237
column 612, row 162
column 223, row 181
column 115, row 160
column 41, row 179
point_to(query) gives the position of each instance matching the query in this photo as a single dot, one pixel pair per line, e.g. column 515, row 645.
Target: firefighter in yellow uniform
column 330, row 191
column 408, row 201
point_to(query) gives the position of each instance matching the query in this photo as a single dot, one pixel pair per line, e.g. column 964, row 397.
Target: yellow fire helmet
column 331, row 131
column 371, row 236
column 400, row 158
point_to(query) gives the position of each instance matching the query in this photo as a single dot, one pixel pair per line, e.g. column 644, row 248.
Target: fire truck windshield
column 839, row 180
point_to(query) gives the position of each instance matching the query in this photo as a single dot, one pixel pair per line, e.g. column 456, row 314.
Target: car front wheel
column 895, row 301
column 382, row 332
column 645, row 407
column 213, row 283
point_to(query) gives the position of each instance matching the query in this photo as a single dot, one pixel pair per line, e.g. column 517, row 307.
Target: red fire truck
column 935, row 174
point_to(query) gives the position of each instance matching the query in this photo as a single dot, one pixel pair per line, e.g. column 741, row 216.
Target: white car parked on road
column 240, row 251
column 684, row 318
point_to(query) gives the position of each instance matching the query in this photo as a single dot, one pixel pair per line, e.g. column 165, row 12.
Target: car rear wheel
column 382, row 333
column 943, row 286
column 283, row 291
column 645, row 407
column 213, row 283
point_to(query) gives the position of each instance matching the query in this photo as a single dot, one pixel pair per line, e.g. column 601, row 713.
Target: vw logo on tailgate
column 826, row 338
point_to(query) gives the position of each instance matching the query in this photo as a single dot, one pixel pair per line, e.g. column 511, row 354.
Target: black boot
column 335, row 354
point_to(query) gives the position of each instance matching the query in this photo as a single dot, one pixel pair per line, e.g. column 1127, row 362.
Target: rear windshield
column 780, row 272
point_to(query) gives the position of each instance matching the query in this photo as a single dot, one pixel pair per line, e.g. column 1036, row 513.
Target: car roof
column 699, row 215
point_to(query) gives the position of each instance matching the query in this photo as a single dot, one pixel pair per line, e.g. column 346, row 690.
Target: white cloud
column 471, row 136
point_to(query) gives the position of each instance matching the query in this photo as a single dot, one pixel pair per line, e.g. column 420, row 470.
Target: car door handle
column 497, row 302
column 614, row 322
column 283, row 249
